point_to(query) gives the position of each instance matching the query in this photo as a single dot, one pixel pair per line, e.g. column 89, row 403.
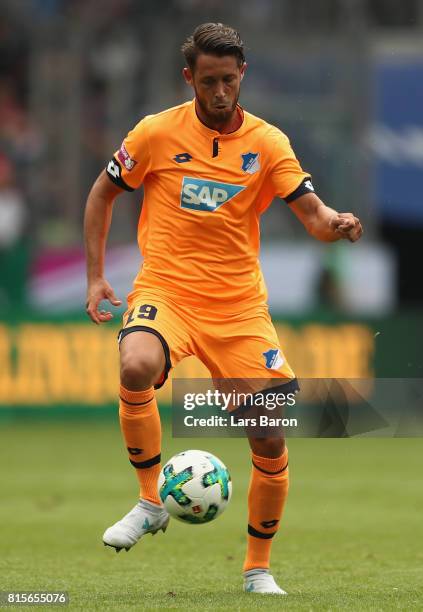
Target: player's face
column 216, row 82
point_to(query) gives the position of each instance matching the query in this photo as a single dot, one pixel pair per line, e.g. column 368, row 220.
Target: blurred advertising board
column 72, row 366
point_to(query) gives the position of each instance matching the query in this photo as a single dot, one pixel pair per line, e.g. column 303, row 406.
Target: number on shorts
column 147, row 311
column 130, row 317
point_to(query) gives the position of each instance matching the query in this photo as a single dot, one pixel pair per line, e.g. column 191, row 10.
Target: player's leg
column 153, row 338
column 142, row 362
column 267, row 495
column 253, row 357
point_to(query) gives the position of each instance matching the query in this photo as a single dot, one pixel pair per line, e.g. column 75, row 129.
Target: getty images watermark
column 232, row 402
column 232, row 408
column 308, row 408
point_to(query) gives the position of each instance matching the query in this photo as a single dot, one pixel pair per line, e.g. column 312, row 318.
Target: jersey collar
column 214, row 133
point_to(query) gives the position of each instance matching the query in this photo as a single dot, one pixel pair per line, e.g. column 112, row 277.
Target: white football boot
column 260, row 581
column 144, row 518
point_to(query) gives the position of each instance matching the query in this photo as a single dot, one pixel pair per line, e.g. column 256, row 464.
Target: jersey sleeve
column 130, row 164
column 286, row 175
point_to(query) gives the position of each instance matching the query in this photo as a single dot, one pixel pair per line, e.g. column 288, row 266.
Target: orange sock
column 266, row 499
column 141, row 429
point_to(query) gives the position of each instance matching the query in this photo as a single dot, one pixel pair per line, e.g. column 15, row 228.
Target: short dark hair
column 213, row 39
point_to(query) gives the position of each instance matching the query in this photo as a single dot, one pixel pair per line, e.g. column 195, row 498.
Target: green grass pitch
column 351, row 538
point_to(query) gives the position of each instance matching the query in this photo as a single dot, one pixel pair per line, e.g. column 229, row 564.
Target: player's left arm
column 292, row 184
column 324, row 223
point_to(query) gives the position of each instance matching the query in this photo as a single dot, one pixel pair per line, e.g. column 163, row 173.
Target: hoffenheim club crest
column 274, row 359
column 250, row 162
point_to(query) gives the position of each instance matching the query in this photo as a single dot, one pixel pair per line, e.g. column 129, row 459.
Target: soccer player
column 209, row 169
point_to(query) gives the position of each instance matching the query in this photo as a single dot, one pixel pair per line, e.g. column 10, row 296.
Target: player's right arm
column 125, row 172
column 98, row 216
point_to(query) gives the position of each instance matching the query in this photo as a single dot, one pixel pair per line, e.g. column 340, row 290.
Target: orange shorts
column 232, row 346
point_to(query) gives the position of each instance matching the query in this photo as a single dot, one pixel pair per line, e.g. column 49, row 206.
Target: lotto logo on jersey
column 199, row 194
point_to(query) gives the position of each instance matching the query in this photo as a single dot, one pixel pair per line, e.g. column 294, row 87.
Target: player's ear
column 243, row 69
column 187, row 74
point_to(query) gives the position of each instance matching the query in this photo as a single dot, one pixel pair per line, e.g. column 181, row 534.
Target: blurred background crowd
column 343, row 78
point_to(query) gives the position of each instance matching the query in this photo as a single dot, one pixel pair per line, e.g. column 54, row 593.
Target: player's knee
column 139, row 371
column 267, row 447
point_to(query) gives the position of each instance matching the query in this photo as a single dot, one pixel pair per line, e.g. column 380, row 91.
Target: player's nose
column 220, row 92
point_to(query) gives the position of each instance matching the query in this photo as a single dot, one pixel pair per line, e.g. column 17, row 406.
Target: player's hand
column 97, row 291
column 347, row 225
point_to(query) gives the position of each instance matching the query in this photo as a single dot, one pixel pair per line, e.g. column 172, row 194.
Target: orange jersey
column 204, row 193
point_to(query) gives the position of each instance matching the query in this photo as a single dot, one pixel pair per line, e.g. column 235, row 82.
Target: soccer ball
column 195, row 487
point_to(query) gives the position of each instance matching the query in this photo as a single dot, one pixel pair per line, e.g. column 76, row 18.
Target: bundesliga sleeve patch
column 306, row 186
column 114, row 171
column 125, row 159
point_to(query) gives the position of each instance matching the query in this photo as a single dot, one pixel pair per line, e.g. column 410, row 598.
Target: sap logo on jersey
column 199, row 194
